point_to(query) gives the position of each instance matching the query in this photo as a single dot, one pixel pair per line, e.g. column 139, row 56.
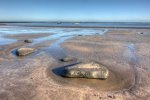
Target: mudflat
column 125, row 53
column 26, row 36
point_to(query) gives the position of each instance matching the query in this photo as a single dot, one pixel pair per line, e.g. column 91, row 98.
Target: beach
column 124, row 51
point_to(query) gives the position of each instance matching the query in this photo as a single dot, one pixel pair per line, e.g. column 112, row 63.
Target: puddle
column 133, row 61
column 14, row 52
column 131, row 54
column 56, row 50
column 114, row 81
column 4, row 41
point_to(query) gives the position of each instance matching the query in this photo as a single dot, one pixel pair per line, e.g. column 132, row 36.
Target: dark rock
column 141, row 33
column 86, row 70
column 111, row 96
column 67, row 59
column 25, row 51
column 28, row 41
column 80, row 35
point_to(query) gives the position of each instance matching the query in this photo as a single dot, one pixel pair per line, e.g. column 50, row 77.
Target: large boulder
column 25, row 51
column 86, row 70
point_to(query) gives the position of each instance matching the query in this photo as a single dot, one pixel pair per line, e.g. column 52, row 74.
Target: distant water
column 86, row 24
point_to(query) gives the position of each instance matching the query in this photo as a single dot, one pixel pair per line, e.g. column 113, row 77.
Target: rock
column 25, row 51
column 28, row 41
column 67, row 59
column 80, row 35
column 86, row 70
column 112, row 96
column 140, row 33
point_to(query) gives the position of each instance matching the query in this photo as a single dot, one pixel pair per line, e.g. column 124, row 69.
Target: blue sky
column 75, row 10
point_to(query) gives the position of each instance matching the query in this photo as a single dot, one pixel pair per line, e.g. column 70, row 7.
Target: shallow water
column 56, row 33
column 131, row 53
column 4, row 41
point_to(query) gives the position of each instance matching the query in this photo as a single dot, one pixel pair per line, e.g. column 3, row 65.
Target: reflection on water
column 56, row 50
column 6, row 41
column 57, row 33
column 131, row 53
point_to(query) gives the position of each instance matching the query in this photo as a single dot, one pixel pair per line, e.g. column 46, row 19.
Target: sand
column 125, row 52
column 26, row 36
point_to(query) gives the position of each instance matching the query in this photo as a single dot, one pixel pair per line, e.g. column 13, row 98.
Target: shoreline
column 93, row 27
column 109, row 27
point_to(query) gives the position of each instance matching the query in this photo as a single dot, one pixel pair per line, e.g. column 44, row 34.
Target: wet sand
column 125, row 52
column 26, row 36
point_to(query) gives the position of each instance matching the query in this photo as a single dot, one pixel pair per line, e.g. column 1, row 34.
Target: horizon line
column 66, row 21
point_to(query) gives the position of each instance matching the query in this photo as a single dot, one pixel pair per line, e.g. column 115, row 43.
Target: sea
column 83, row 24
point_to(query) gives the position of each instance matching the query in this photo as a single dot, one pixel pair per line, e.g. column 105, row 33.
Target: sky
column 75, row 10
